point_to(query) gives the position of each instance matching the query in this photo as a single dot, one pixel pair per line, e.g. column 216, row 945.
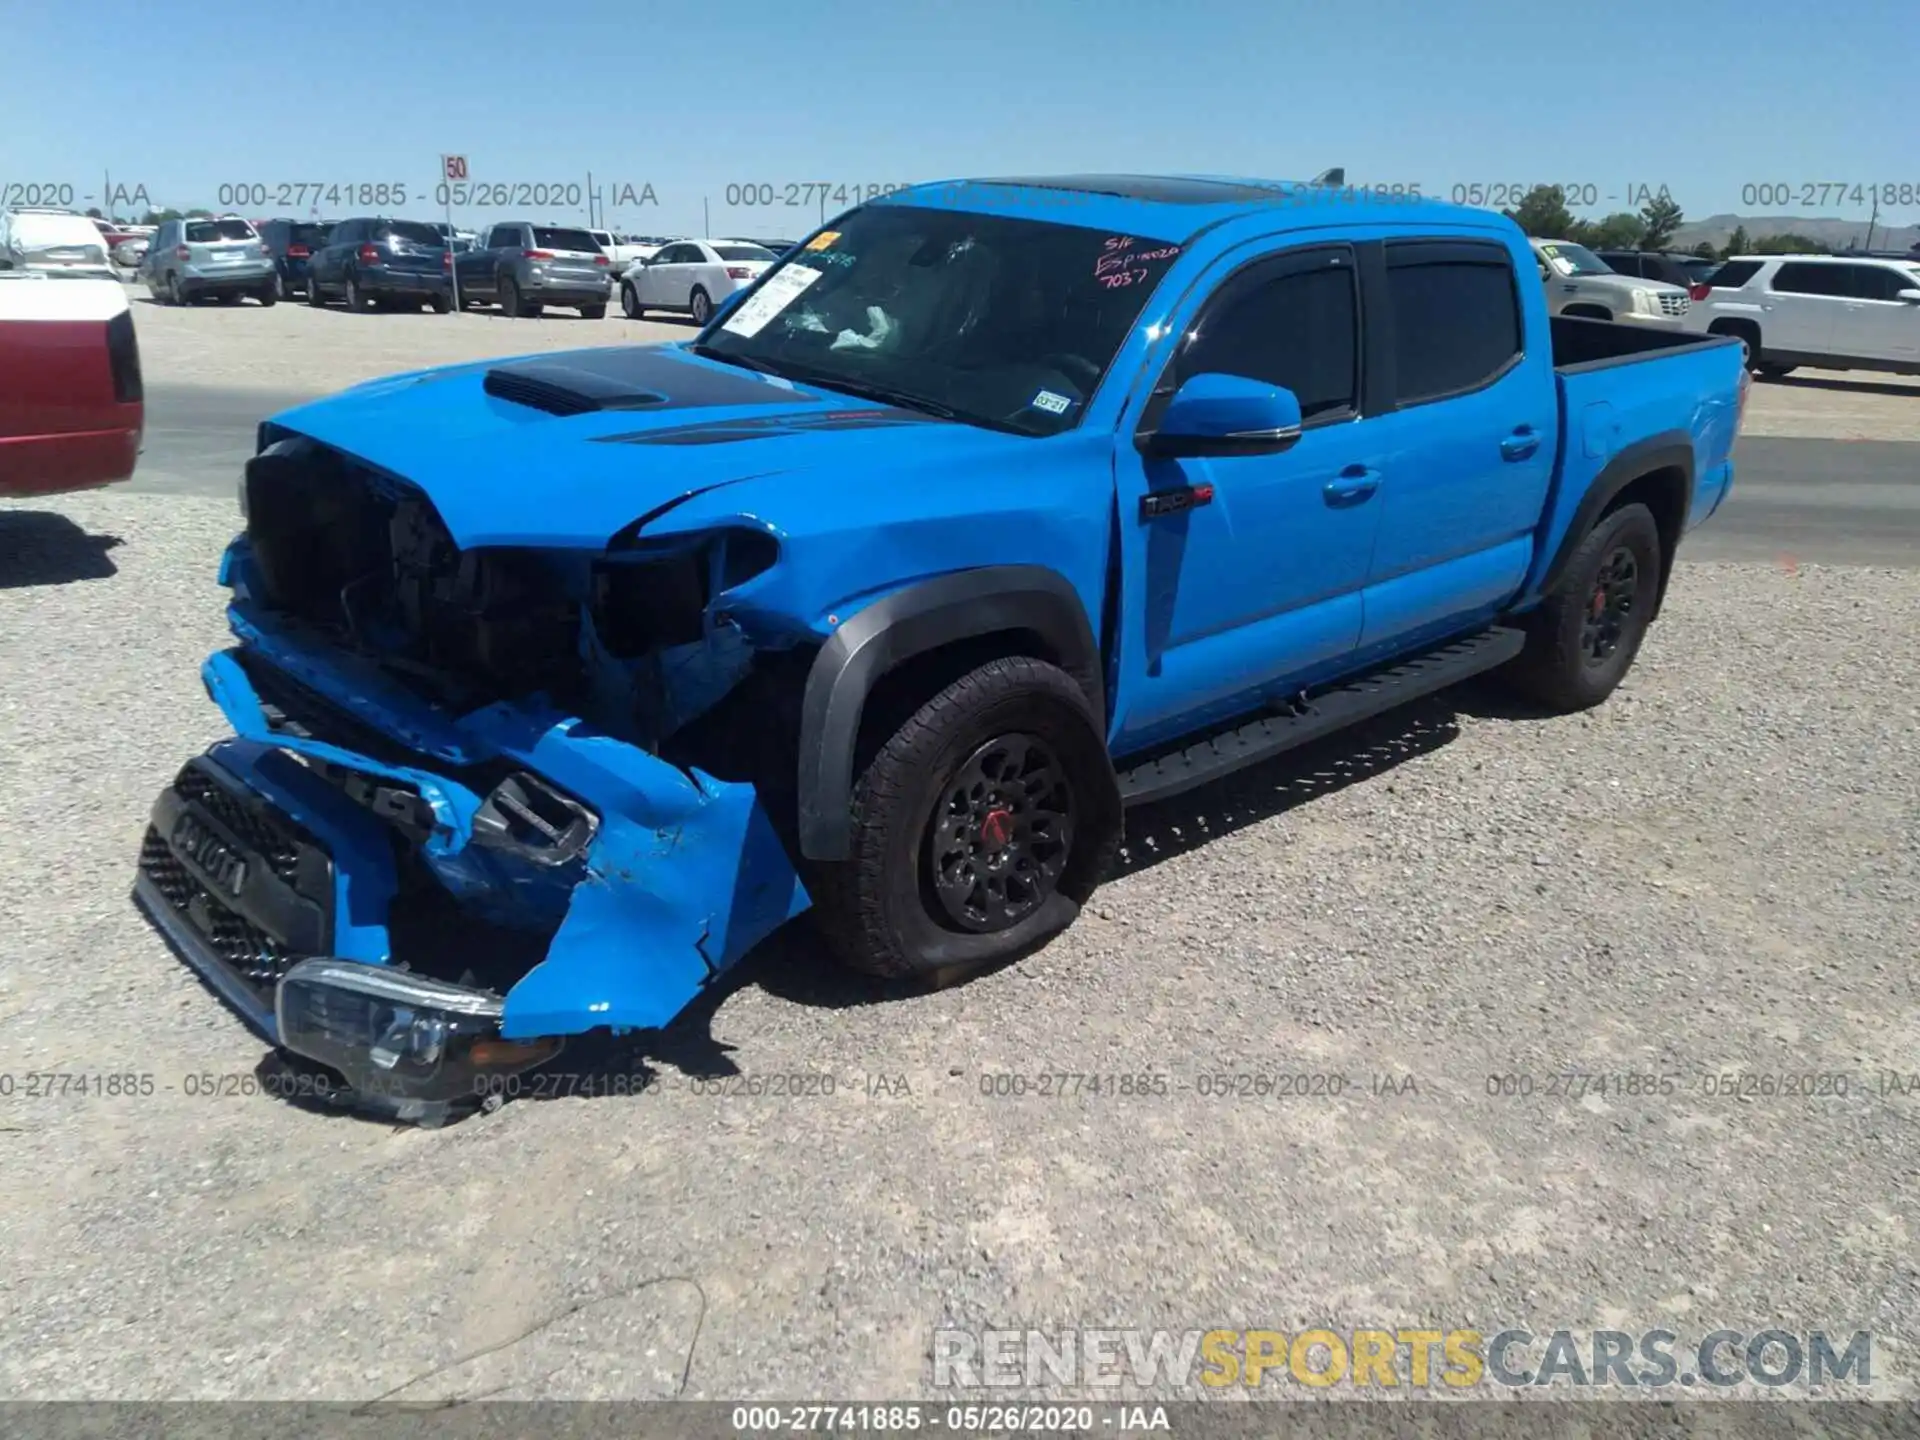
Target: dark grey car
column 523, row 267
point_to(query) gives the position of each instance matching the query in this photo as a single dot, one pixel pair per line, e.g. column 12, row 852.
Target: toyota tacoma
column 995, row 508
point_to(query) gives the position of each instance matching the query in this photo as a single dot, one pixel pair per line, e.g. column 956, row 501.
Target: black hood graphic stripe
column 721, row 432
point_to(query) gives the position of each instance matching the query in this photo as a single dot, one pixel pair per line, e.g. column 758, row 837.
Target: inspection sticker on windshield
column 824, row 239
column 1051, row 403
column 774, row 296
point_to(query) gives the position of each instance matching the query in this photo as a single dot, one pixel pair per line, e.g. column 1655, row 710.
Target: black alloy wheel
column 1000, row 836
column 1610, row 607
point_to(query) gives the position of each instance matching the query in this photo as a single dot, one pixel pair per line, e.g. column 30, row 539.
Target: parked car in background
column 692, row 276
column 1830, row 311
column 778, row 247
column 523, row 267
column 1582, row 286
column 61, row 243
column 291, row 243
column 374, row 261
column 1689, row 272
column 72, row 409
column 130, row 252
column 621, row 250
column 222, row 259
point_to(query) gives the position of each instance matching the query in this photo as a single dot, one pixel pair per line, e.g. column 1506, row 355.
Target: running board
column 1335, row 709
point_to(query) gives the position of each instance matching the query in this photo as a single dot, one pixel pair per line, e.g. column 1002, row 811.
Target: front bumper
column 266, row 873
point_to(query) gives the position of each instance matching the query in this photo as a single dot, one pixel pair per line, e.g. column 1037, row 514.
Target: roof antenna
column 1335, row 176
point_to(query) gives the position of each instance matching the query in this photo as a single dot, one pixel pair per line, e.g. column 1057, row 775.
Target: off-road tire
column 878, row 909
column 1559, row 667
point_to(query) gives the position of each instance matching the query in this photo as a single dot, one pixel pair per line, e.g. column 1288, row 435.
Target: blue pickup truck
column 996, row 507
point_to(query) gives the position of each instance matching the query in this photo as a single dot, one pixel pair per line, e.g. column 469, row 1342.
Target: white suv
column 1832, row 311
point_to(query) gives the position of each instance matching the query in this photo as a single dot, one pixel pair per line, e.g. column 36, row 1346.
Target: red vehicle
column 71, row 405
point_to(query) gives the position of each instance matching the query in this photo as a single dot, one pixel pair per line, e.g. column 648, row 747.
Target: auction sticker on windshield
column 774, row 296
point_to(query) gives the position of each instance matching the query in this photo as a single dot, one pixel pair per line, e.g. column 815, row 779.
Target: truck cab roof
column 1180, row 207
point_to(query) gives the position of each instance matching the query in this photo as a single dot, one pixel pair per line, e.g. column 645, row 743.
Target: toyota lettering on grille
column 194, row 842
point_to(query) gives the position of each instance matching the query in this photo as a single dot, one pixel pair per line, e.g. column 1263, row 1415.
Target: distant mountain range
column 1835, row 234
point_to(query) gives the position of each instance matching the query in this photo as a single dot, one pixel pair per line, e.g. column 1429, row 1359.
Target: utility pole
column 706, row 220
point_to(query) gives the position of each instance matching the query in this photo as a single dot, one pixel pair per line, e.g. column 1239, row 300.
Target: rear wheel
column 271, row 294
column 630, row 305
column 1583, row 638
column 357, row 299
column 1746, row 332
column 175, row 296
column 229, row 297
column 593, row 312
column 314, row 298
column 1774, row 370
column 279, row 286
column 442, row 304
column 701, row 306
column 980, row 827
column 510, row 302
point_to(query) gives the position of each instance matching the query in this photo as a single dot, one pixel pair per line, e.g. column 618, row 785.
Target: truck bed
column 1633, row 396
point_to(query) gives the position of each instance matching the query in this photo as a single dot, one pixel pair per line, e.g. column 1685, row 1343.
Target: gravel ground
column 1714, row 872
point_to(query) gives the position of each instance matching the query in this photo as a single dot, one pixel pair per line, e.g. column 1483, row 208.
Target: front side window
column 1001, row 321
column 1298, row 330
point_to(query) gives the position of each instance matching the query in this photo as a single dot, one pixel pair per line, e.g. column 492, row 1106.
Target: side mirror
column 1217, row 414
column 1912, row 297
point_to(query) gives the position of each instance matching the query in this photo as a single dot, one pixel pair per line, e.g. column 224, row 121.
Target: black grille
column 277, row 842
column 240, row 945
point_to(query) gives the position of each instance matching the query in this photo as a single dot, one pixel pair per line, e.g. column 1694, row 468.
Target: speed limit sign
column 453, row 167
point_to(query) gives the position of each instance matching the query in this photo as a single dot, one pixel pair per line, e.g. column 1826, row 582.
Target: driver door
column 1252, row 580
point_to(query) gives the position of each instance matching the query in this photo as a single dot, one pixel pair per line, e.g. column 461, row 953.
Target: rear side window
column 1623, row 264
column 1810, row 280
column 204, row 232
column 549, row 239
column 1456, row 318
column 744, row 252
column 1735, row 273
column 1298, row 329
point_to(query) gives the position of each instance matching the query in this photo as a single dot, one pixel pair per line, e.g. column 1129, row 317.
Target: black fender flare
column 922, row 617
column 1669, row 450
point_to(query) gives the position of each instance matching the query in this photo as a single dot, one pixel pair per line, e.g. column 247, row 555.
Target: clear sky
column 1707, row 98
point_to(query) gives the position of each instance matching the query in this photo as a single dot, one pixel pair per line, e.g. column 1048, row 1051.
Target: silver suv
column 522, row 267
column 191, row 259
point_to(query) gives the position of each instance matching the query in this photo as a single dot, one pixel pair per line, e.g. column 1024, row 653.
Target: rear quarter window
column 1734, row 274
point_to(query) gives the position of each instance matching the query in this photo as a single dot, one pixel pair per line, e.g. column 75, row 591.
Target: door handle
column 1520, row 445
column 1353, row 486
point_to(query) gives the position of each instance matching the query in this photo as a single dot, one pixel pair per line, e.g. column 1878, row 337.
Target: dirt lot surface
column 1715, row 875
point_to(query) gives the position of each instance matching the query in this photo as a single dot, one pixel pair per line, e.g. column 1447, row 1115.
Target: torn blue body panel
column 683, row 876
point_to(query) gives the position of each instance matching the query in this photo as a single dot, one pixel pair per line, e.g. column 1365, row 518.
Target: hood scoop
column 560, row 389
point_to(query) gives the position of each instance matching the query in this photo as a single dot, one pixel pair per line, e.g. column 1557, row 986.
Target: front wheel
column 981, row 825
column 702, row 307
column 630, row 305
column 1583, row 638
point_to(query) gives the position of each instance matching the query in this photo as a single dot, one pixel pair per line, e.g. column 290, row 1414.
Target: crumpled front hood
column 502, row 468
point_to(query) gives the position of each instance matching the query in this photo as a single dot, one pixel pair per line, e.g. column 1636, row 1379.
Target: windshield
column 744, row 252
column 1568, row 259
column 1003, row 322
